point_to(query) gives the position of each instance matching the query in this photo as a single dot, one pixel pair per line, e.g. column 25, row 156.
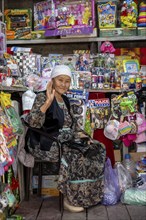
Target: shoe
column 71, row 208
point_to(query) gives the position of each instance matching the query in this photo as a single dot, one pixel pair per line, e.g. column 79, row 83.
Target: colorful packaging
column 73, row 17
column 78, row 101
column 44, row 15
column 18, row 23
column 107, row 14
column 128, row 15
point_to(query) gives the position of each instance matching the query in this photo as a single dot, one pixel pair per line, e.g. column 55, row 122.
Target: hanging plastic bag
column 124, row 177
column 112, row 191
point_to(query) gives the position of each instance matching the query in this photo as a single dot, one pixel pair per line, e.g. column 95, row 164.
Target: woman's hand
column 50, row 93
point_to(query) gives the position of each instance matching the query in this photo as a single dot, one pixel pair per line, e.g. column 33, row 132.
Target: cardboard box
column 50, row 192
column 112, row 32
column 94, row 34
column 48, row 181
column 136, row 156
column 129, row 31
column 36, row 35
column 49, row 185
column 117, row 154
column 116, row 32
column 18, row 23
column 142, row 31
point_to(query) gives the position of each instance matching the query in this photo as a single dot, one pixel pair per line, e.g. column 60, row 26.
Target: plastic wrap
column 124, row 177
column 134, row 196
column 112, row 191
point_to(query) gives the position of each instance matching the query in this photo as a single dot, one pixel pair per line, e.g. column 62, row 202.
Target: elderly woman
column 81, row 170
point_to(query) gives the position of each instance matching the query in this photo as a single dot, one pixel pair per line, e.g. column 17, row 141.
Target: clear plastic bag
column 134, row 196
column 112, row 191
column 124, row 177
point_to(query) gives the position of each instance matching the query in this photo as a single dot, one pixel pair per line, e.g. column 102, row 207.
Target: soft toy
column 107, row 47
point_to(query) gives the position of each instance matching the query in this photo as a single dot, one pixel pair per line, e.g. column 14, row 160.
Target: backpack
column 81, row 175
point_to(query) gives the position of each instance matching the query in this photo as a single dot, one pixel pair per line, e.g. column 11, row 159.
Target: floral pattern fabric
column 80, row 176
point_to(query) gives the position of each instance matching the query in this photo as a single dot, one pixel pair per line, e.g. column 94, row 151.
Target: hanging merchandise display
column 124, row 113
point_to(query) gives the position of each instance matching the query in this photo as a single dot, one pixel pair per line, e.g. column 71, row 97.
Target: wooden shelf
column 76, row 40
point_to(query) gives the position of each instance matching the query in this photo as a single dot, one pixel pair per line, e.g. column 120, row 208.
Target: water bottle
column 129, row 164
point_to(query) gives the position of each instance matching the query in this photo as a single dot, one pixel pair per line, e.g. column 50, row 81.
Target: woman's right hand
column 50, row 92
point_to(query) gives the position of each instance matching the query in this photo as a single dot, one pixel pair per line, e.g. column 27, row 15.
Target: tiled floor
column 48, row 209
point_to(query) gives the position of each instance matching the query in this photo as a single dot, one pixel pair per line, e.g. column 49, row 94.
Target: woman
column 82, row 164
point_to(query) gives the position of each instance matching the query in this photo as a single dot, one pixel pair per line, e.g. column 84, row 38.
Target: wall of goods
column 117, row 71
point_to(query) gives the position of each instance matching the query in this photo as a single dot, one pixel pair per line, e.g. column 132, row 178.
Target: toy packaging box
column 107, row 13
column 18, row 23
column 73, row 18
column 44, row 15
column 116, row 32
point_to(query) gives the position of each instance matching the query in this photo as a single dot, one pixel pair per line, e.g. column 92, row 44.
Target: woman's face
column 61, row 84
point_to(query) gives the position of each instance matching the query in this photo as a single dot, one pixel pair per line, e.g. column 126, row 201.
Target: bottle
column 130, row 165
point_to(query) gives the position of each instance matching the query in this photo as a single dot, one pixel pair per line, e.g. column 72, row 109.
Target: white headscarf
column 61, row 70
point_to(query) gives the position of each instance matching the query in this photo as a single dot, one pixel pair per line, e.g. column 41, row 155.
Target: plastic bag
column 124, row 177
column 112, row 191
column 134, row 196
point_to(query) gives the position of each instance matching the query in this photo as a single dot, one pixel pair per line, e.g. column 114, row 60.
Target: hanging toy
column 107, row 47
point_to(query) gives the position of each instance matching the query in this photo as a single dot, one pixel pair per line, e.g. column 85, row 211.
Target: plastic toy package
column 55, row 59
column 99, row 112
column 129, row 13
column 107, row 14
column 81, row 80
column 12, row 115
column 73, row 17
column 6, row 128
column 69, row 60
column 44, row 15
column 78, row 101
column 33, row 81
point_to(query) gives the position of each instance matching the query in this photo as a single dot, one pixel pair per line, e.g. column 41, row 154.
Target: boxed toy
column 94, row 34
column 44, row 15
column 142, row 31
column 116, row 32
column 38, row 35
column 73, row 18
column 128, row 13
column 18, row 23
column 107, row 13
